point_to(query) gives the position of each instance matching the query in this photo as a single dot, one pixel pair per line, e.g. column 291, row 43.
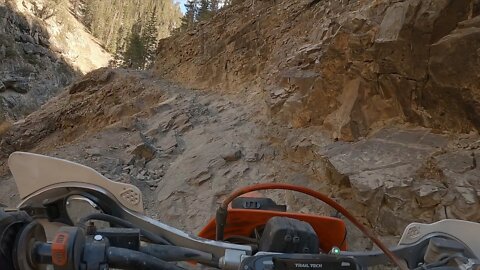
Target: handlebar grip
column 131, row 259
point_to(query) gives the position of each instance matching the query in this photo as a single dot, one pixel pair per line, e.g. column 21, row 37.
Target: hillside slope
column 68, row 37
column 38, row 57
column 349, row 66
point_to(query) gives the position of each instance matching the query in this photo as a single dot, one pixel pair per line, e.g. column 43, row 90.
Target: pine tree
column 188, row 20
column 150, row 38
column 119, row 56
column 136, row 50
column 204, row 10
column 106, row 18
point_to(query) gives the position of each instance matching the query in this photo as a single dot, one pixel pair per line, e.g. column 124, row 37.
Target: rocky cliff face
column 350, row 66
column 38, row 58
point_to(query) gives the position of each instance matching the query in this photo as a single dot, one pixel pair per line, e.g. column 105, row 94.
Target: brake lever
column 411, row 254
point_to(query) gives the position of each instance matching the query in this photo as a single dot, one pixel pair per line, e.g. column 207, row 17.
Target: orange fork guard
column 242, row 222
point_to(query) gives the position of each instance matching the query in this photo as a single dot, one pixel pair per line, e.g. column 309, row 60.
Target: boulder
column 455, row 60
column 430, row 194
column 97, row 77
column 231, row 153
column 144, row 151
column 94, row 152
column 167, row 142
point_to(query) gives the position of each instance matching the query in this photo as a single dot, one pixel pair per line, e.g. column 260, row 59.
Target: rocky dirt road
column 186, row 149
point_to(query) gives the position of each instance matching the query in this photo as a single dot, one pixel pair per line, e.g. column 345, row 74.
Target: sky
column 182, row 4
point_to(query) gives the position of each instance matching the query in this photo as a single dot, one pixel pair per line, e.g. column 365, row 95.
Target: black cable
column 123, row 258
column 445, row 268
column 121, row 222
column 241, row 239
column 344, row 239
column 174, row 253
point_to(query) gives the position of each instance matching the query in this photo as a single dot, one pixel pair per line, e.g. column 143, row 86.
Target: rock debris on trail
column 186, row 149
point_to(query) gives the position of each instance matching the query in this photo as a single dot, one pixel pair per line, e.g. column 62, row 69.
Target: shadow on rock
column 31, row 70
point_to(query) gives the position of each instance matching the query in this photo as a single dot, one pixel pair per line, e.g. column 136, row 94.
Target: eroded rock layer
column 350, row 66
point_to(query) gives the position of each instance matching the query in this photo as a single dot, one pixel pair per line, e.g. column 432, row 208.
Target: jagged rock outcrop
column 350, row 66
column 397, row 176
column 38, row 58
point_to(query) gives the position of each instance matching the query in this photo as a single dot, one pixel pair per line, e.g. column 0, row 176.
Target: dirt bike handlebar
column 73, row 249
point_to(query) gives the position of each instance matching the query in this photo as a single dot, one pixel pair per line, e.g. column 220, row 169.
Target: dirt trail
column 182, row 147
column 186, row 149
